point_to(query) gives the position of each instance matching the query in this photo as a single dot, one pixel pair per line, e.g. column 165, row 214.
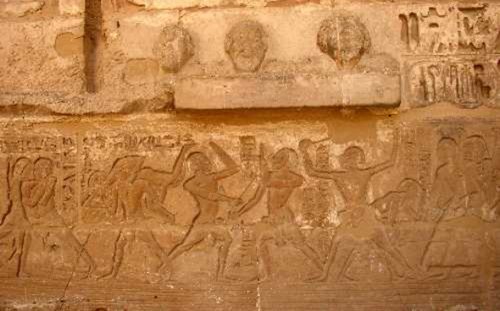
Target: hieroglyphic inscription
column 450, row 29
column 452, row 54
column 172, row 207
column 465, row 83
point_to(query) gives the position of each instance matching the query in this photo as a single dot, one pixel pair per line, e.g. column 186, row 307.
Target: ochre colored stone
column 250, row 155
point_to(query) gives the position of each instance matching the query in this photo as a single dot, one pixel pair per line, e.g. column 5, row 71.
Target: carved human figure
column 174, row 48
column 141, row 192
column 359, row 221
column 352, row 180
column 397, row 211
column 38, row 200
column 448, row 194
column 479, row 176
column 279, row 183
column 246, row 46
column 14, row 223
column 150, row 187
column 345, row 39
column 96, row 206
column 405, row 204
column 120, row 181
column 204, row 188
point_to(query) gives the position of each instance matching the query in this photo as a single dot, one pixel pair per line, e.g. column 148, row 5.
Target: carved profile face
column 246, row 46
column 352, row 158
column 475, row 150
column 281, row 159
column 200, row 163
column 174, row 48
column 447, row 151
column 43, row 168
column 22, row 168
column 410, row 187
column 125, row 168
column 345, row 39
column 97, row 179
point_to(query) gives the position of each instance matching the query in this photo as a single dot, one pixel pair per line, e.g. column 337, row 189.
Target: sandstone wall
column 249, row 155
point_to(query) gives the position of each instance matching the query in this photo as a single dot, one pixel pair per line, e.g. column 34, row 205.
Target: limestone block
column 139, row 33
column 250, row 61
column 20, row 8
column 288, row 91
column 41, row 58
column 184, row 4
column 71, row 7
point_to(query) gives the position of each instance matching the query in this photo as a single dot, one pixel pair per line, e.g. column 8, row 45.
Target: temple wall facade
column 249, row 155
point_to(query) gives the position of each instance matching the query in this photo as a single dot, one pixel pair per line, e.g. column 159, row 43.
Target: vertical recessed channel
column 93, row 44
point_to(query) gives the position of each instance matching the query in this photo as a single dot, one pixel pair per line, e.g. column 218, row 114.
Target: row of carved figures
column 465, row 184
column 344, row 38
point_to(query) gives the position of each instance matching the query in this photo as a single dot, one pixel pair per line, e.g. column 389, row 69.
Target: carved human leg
column 295, row 237
column 193, row 237
column 338, row 258
column 264, row 255
column 393, row 255
column 80, row 249
column 123, row 239
column 24, row 243
column 222, row 236
column 148, row 238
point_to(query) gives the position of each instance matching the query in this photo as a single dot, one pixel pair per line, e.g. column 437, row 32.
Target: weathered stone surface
column 20, row 8
column 31, row 64
column 145, row 163
column 240, row 215
column 71, row 7
column 444, row 53
column 174, row 48
column 274, row 91
column 185, row 4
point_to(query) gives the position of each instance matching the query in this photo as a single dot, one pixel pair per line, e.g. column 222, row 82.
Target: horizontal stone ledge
column 187, row 4
column 349, row 90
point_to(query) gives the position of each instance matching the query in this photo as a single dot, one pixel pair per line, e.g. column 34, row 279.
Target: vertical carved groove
column 414, row 31
column 93, row 44
column 405, row 31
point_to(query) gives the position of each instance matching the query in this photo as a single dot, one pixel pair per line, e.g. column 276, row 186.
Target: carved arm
column 392, row 161
column 309, row 166
column 192, row 187
column 231, row 166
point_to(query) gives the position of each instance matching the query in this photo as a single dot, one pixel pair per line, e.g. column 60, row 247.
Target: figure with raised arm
column 204, row 188
column 359, row 221
column 279, row 183
column 139, row 195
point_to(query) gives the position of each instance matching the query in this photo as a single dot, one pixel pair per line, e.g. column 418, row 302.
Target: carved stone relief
column 345, row 39
column 306, row 76
column 246, row 46
column 451, row 53
column 174, row 48
column 247, row 208
column 466, row 83
column 197, row 202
